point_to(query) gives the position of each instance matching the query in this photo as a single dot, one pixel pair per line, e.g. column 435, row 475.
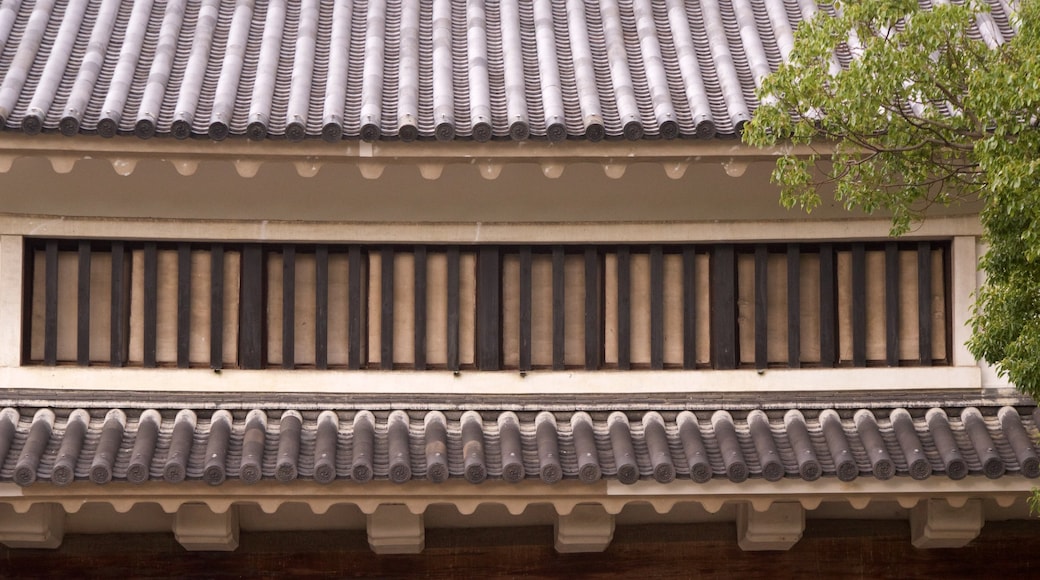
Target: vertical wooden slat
column 419, row 340
column 386, row 308
column 526, row 308
column 624, row 307
column 761, row 306
column 489, row 308
column 924, row 302
column 724, row 307
column 183, row 305
column 216, row 306
column 794, row 306
column 354, row 308
column 859, row 305
column 288, row 306
column 453, row 308
column 892, row 304
column 558, row 309
column 253, row 307
column 828, row 307
column 118, row 318
column 689, row 290
column 50, row 323
column 593, row 310
column 321, row 307
column 83, row 305
column 656, row 307
column 151, row 303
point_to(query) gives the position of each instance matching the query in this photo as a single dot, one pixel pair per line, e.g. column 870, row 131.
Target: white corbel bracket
column 393, row 529
column 43, row 526
column 198, row 528
column 588, row 528
column 934, row 523
column 777, row 528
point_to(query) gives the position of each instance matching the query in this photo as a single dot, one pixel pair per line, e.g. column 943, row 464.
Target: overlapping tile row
column 62, row 446
column 403, row 69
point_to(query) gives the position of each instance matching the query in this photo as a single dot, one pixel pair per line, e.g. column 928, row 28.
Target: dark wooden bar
column 558, row 309
column 453, row 308
column 354, row 314
column 593, row 310
column 253, row 308
column 386, row 308
column 761, row 306
column 859, row 305
column 489, row 309
column 216, row 306
column 828, row 307
column 724, row 345
column 83, row 305
column 924, row 302
column 419, row 340
column 526, row 307
column 689, row 290
column 288, row 306
column 50, row 324
column 151, row 303
column 794, row 306
column 624, row 308
column 120, row 307
column 892, row 304
column 656, row 308
column 321, row 307
column 183, row 305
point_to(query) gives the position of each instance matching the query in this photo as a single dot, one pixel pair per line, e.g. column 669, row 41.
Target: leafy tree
column 923, row 107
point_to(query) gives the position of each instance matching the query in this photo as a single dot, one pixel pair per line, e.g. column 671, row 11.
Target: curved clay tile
column 473, row 453
column 838, row 445
column 582, row 431
column 729, row 446
column 362, row 460
column 287, row 462
column 621, row 444
column 693, row 447
column 945, row 444
column 509, row 442
column 910, row 443
column 657, row 447
column 215, row 468
column 992, row 465
column 64, row 470
column 398, row 447
column 881, row 463
column 765, row 446
column 1011, row 424
column 547, row 439
column 108, row 447
column 808, row 465
column 122, row 78
column 145, row 437
column 176, row 467
column 325, row 447
column 436, row 447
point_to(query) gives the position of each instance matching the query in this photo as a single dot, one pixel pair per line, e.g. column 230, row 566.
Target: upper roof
column 395, row 69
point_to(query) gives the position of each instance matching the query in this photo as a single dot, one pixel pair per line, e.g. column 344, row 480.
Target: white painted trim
column 502, row 383
column 392, row 529
column 588, row 528
column 197, row 528
column 937, row 524
column 777, row 528
column 247, row 156
column 964, row 264
column 565, row 496
column 12, row 254
column 470, row 233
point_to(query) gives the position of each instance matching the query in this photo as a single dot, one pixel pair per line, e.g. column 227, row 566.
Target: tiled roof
column 63, row 446
column 404, row 69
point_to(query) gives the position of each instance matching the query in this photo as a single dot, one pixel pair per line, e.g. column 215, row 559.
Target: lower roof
column 57, row 446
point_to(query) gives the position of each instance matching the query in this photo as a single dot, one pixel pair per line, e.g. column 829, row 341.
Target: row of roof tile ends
column 399, row 69
column 399, row 447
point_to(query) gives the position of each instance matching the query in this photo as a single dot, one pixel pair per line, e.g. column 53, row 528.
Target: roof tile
column 396, row 69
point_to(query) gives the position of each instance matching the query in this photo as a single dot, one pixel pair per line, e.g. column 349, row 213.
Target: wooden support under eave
column 777, row 528
column 199, row 529
column 392, row 529
column 588, row 528
column 43, row 526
